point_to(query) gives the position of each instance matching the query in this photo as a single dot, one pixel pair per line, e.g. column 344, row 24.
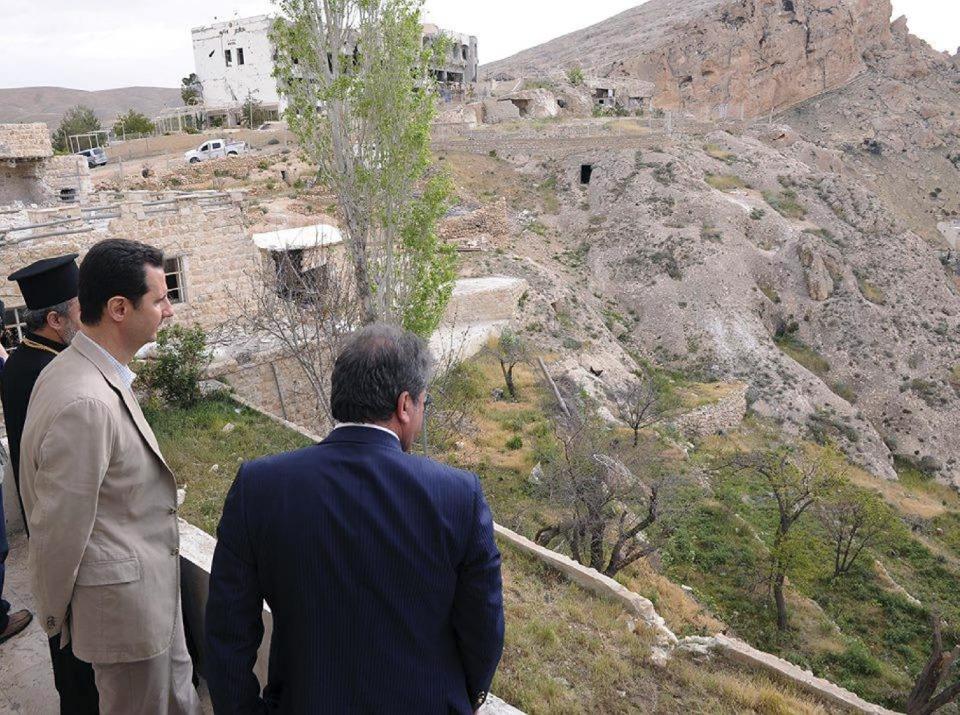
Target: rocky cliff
column 726, row 56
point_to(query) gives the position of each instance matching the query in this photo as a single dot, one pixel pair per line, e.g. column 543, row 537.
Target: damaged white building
column 235, row 61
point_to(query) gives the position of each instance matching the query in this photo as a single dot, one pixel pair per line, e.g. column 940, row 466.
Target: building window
column 14, row 327
column 228, row 56
column 176, row 279
column 239, row 55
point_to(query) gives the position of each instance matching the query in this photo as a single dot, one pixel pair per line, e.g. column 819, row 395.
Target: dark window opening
column 174, row 273
column 466, row 51
column 586, row 173
column 788, row 6
column 228, row 57
column 239, row 55
column 14, row 326
column 68, row 196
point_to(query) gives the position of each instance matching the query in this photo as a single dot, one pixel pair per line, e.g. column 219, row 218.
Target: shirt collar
column 393, row 434
column 127, row 376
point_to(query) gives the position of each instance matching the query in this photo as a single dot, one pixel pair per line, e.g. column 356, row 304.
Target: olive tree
column 361, row 102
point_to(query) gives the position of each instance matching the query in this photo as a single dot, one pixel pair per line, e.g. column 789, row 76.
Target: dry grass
column 725, row 182
column 568, row 651
column 871, row 292
column 719, row 153
column 680, row 610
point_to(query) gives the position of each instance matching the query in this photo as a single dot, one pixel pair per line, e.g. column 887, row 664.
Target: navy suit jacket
column 382, row 575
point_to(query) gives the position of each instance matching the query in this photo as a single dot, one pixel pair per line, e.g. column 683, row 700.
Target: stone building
column 209, row 257
column 30, row 174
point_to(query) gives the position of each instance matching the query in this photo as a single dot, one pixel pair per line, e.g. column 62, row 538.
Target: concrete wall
column 225, row 86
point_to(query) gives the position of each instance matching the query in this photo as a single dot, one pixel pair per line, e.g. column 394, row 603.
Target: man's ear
column 404, row 408
column 117, row 308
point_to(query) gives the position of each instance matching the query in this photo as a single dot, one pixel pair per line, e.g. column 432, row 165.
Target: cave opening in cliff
column 788, row 6
column 586, row 173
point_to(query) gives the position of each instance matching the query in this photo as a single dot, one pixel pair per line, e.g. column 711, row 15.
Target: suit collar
column 363, row 435
column 95, row 354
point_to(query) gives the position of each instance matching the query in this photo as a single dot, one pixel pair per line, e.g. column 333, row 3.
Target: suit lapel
column 94, row 353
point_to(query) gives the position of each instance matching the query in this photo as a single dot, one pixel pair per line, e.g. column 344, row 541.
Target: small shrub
column 757, row 214
column 263, row 165
column 664, row 173
column 174, row 181
column 515, row 443
column 181, row 361
column 711, row 234
column 575, row 76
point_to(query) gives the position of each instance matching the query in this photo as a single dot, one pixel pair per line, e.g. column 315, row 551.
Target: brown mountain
column 49, row 104
column 749, row 56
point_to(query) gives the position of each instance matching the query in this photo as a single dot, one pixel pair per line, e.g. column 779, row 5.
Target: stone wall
column 276, row 385
column 45, row 182
column 25, row 141
column 721, row 416
column 205, row 231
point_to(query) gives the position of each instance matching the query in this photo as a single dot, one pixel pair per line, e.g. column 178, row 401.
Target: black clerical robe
column 19, row 375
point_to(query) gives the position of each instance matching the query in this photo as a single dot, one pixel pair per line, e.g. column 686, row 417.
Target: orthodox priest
column 49, row 288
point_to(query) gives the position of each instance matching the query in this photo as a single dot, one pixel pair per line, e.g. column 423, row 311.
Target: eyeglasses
column 428, row 400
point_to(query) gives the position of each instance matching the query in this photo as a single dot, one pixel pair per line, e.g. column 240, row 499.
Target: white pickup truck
column 215, row 149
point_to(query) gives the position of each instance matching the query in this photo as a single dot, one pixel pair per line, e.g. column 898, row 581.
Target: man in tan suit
column 100, row 500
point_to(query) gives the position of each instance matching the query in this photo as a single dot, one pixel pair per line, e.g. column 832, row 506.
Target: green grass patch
column 193, row 441
column 785, row 203
column 803, row 354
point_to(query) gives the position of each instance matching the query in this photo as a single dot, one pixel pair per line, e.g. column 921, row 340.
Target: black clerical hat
column 48, row 282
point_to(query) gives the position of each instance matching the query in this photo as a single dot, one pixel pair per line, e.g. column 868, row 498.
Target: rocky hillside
column 754, row 55
column 802, row 255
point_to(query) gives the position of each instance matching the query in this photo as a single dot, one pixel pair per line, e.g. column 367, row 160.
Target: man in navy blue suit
column 379, row 567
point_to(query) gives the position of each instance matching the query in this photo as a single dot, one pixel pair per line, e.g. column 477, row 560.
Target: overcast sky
column 101, row 44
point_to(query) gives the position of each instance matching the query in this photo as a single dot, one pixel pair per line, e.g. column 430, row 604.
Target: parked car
column 95, row 157
column 215, row 149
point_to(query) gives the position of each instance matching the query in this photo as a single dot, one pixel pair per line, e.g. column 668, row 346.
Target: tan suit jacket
column 101, row 504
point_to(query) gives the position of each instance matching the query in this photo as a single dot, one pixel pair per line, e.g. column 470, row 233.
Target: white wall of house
column 234, row 61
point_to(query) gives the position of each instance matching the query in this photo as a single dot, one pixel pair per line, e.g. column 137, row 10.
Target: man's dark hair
column 379, row 363
column 111, row 268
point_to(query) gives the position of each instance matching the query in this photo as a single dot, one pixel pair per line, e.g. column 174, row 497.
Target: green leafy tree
column 191, row 90
column 133, row 122
column 363, row 65
column 254, row 114
column 854, row 520
column 78, row 120
column 575, row 76
column 796, row 482
column 511, row 351
column 180, row 364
